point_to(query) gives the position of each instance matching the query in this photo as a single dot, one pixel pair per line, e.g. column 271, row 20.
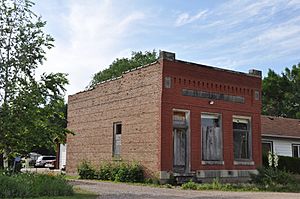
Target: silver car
column 45, row 161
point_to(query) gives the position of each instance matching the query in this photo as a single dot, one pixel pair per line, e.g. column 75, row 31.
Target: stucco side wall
column 134, row 100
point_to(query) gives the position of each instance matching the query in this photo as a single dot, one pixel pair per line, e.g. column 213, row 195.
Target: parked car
column 32, row 158
column 45, row 161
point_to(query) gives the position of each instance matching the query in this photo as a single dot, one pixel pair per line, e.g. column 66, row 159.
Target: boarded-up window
column 179, row 119
column 211, row 137
column 117, row 139
column 241, row 138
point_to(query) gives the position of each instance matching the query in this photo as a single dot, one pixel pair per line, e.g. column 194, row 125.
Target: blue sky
column 237, row 35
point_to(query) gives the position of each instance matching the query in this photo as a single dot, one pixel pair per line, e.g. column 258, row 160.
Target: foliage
column 113, row 171
column 281, row 93
column 86, row 171
column 119, row 66
column 273, row 159
column 33, row 185
column 31, row 113
column 216, row 185
column 270, row 178
column 285, row 163
column 190, row 185
column 132, row 172
column 152, row 181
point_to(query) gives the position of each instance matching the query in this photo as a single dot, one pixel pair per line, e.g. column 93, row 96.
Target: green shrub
column 285, row 163
column 104, row 172
column 116, row 171
column 189, row 185
column 273, row 179
column 290, row 164
column 33, row 185
column 86, row 171
column 129, row 173
column 217, row 185
column 271, row 176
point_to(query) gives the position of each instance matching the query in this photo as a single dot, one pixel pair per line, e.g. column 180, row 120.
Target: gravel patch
column 110, row 190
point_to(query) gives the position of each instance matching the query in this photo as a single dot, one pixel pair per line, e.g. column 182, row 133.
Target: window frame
column 298, row 146
column 115, row 124
column 268, row 142
column 212, row 162
column 250, row 147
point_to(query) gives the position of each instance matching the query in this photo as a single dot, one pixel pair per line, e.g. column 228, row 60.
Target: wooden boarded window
column 241, row 138
column 211, row 137
column 117, row 127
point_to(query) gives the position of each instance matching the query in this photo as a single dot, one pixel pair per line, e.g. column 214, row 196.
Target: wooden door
column 179, row 150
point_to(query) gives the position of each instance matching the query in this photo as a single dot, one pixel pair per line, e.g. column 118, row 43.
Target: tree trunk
column 5, row 160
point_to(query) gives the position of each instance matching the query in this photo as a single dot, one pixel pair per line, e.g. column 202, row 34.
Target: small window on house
column 241, row 138
column 211, row 137
column 296, row 150
column 168, row 82
column 267, row 146
column 117, row 127
column 256, row 95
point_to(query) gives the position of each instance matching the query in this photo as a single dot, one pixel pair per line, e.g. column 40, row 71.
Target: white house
column 281, row 135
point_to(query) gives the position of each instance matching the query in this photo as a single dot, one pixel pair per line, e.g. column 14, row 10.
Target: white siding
column 62, row 155
column 282, row 147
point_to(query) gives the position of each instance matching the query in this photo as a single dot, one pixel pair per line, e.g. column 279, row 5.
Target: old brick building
column 172, row 116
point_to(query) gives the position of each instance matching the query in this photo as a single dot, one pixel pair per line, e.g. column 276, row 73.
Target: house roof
column 280, row 127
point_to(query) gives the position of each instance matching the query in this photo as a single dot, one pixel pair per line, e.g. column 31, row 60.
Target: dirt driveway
column 109, row 190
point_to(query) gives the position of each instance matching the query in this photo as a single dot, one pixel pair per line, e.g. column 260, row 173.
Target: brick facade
column 144, row 101
column 198, row 77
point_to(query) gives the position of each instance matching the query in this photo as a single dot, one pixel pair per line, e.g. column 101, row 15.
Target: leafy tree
column 30, row 109
column 121, row 65
column 281, row 93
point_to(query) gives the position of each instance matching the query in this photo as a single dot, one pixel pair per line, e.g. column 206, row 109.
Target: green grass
column 78, row 194
column 69, row 177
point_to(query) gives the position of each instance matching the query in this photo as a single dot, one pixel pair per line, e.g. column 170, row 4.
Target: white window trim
column 298, row 145
column 269, row 142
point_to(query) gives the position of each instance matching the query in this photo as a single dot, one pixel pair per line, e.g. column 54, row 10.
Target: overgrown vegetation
column 118, row 66
column 26, row 185
column 113, row 171
column 273, row 179
column 269, row 178
column 285, row 163
column 217, row 185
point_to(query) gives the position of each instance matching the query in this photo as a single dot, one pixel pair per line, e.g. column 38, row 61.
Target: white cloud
column 185, row 18
column 239, row 33
column 91, row 34
column 95, row 32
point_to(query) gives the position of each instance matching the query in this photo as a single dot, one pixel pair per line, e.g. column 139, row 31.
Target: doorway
column 180, row 142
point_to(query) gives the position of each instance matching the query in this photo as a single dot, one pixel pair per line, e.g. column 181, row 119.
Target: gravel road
column 109, row 190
